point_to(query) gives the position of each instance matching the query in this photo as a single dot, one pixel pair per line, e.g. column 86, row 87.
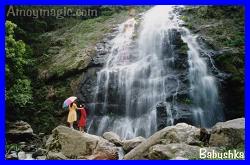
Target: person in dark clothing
column 83, row 118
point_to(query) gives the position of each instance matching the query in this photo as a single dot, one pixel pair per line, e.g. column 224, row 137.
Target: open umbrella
column 68, row 101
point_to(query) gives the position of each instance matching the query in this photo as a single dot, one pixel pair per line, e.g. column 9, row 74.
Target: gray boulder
column 180, row 133
column 130, row 144
column 73, row 144
column 172, row 151
column 230, row 133
column 113, row 138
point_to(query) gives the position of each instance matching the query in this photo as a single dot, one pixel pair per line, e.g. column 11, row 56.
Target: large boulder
column 130, row 144
column 113, row 138
column 180, row 133
column 56, row 156
column 19, row 131
column 103, row 154
column 177, row 151
column 173, row 150
column 74, row 144
column 230, row 133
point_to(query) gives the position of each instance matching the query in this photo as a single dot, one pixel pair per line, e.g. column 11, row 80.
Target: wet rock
column 130, row 144
column 19, row 131
column 86, row 89
column 113, row 138
column 28, row 148
column 184, row 114
column 230, row 133
column 21, row 155
column 164, row 116
column 39, row 152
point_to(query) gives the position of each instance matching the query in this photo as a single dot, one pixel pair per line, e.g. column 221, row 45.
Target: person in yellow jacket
column 72, row 117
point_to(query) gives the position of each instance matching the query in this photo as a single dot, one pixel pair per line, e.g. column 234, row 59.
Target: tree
column 18, row 84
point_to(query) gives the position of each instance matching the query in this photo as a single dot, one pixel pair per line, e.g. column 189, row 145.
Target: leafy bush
column 12, row 147
column 18, row 87
column 20, row 94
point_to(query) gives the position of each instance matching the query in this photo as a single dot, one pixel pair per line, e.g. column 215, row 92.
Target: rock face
column 19, row 131
column 128, row 145
column 163, row 115
column 230, row 133
column 181, row 133
column 89, row 79
column 74, row 144
column 113, row 138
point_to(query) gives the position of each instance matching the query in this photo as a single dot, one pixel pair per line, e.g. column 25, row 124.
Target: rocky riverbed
column 181, row 141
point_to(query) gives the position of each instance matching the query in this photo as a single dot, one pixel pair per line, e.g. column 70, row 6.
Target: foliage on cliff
column 222, row 29
column 18, row 63
column 46, row 56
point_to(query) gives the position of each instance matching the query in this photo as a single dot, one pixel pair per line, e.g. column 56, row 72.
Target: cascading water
column 139, row 73
column 203, row 89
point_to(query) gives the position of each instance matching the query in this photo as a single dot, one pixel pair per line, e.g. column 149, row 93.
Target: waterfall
column 140, row 72
column 203, row 88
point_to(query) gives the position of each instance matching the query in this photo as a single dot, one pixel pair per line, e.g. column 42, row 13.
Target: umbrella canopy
column 68, row 101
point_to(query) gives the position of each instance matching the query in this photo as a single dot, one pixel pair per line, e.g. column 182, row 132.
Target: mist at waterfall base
column 140, row 72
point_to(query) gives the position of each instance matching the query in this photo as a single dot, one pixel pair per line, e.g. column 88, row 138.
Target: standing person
column 72, row 117
column 83, row 117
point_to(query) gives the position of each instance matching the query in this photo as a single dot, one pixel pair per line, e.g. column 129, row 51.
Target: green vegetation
column 12, row 147
column 18, row 88
column 45, row 58
column 183, row 49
